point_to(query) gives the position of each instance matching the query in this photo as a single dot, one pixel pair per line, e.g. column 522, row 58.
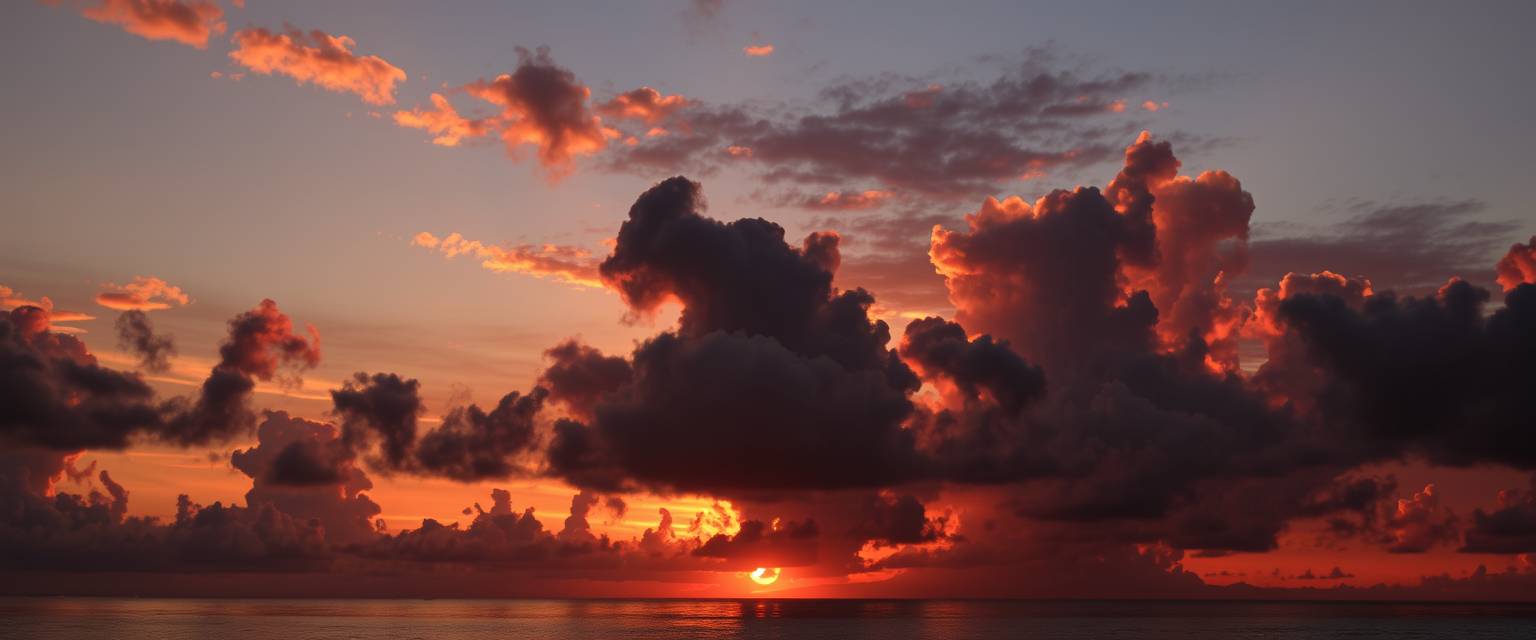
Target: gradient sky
column 1381, row 140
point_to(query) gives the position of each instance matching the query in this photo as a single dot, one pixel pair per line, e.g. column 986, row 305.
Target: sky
column 887, row 299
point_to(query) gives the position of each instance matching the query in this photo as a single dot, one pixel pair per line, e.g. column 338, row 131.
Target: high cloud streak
column 572, row 265
column 320, row 58
column 190, row 22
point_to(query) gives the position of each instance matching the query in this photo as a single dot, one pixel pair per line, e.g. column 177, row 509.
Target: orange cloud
column 849, row 200
column 644, row 104
column 320, row 58
column 562, row 263
column 145, row 293
column 443, row 121
column 758, row 50
column 190, row 23
column 1154, row 106
column 1518, row 266
column 11, row 299
column 543, row 104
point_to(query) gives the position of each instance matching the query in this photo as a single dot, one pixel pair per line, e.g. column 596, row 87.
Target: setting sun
column 765, row 576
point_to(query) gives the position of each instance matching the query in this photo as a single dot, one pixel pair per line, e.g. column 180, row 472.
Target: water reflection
column 764, row 618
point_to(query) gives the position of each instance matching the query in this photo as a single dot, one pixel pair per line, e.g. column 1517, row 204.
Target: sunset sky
column 901, row 299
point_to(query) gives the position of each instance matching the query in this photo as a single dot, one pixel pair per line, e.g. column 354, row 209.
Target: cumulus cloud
column 543, row 104
column 1420, row 523
column 145, row 293
column 190, row 22
column 58, row 397
column 303, row 469
column 1518, row 266
column 260, row 342
column 800, row 380
column 320, row 58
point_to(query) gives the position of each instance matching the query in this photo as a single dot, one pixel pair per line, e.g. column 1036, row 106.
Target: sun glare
column 765, row 576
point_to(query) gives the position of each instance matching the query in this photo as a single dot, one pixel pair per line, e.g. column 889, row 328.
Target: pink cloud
column 191, row 22
column 145, row 293
column 320, row 58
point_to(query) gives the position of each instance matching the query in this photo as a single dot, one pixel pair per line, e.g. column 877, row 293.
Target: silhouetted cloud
column 136, row 334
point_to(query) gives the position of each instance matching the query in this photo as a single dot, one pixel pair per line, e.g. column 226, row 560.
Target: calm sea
column 811, row 619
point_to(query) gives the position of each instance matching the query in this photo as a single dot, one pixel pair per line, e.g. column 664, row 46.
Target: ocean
column 132, row 619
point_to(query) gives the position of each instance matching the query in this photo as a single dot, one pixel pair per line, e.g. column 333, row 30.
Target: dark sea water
column 811, row 619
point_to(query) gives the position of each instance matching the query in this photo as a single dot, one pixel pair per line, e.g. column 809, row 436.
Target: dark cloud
column 580, row 376
column 1509, row 529
column 470, row 445
column 53, row 394
column 913, row 135
column 260, row 342
column 137, row 334
column 382, row 405
column 1411, row 246
column 543, row 104
column 769, row 364
column 759, row 544
column 941, row 350
column 1432, row 375
column 305, row 470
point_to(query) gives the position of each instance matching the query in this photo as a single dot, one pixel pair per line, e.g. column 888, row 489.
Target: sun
column 765, row 576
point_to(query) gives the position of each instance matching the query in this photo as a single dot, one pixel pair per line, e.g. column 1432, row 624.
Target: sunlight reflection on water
column 135, row 619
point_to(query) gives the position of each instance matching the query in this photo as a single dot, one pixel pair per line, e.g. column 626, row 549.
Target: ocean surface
column 841, row 619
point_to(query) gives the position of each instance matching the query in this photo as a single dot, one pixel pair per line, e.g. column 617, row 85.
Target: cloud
column 1432, row 375
column 145, row 293
column 444, row 122
column 907, row 135
column 470, row 445
column 320, row 58
column 644, row 104
column 1518, row 266
column 580, row 377
column 758, row 50
column 190, row 22
column 136, row 334
column 55, row 394
column 303, row 469
column 831, row 200
column 1412, row 246
column 562, row 263
column 260, row 341
column 1419, row 523
column 544, row 105
column 10, row 299
column 799, row 379
column 1509, row 529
